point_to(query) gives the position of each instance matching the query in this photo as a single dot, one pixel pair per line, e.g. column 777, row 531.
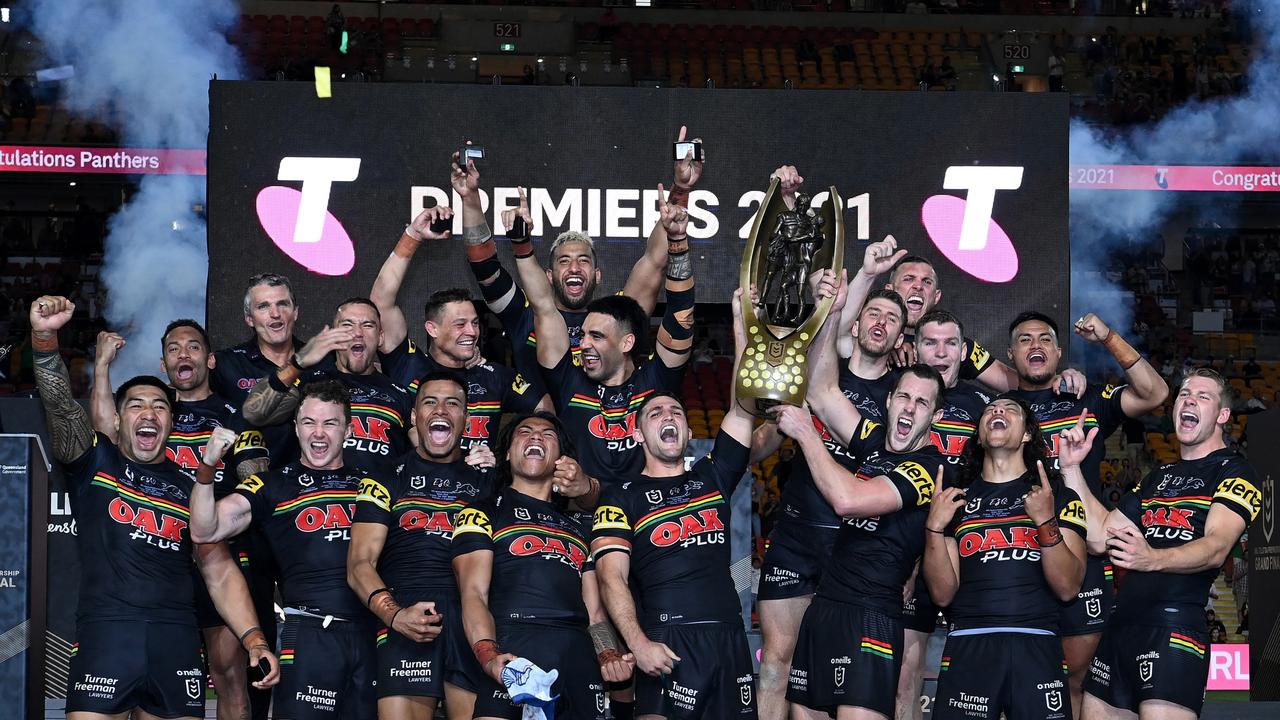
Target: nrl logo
column 417, row 482
column 1093, row 606
column 973, row 505
column 653, row 496
column 522, row 513
column 1053, row 700
column 1146, row 670
column 193, row 688
column 744, row 694
column 839, row 677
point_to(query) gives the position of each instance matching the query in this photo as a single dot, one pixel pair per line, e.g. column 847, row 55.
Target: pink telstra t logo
column 962, row 228
column 299, row 222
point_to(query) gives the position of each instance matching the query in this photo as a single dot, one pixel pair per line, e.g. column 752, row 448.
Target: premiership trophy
column 784, row 248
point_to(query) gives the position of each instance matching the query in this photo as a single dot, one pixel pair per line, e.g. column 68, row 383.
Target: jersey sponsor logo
column 434, row 517
column 920, row 478
column 979, row 356
column 246, row 383
column 1241, row 492
column 601, row 428
column 1109, row 391
column 472, row 520
column 610, row 517
column 186, row 457
column 703, row 528
column 251, row 484
column 998, row 539
column 1073, row 513
column 374, row 492
column 952, row 445
column 159, row 529
column 335, row 518
column 519, row 385
column 565, row 548
column 477, row 427
column 249, row 439
column 369, row 434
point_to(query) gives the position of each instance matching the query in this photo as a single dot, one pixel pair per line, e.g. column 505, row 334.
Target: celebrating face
column 1034, row 351
column 186, row 359
column 573, row 275
column 440, row 415
column 913, row 407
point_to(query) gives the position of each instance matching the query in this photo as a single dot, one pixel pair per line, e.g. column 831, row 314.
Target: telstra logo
column 299, row 222
column 962, row 228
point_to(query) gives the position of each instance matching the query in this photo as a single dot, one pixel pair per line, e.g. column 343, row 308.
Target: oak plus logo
column 299, row 221
column 963, row 229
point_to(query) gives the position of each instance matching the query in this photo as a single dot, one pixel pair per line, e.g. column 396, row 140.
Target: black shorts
column 119, row 665
column 326, row 672
column 918, row 612
column 793, row 563
column 712, row 680
column 568, row 650
column 1088, row 613
column 1136, row 663
column 846, row 655
column 1018, row 675
column 421, row 669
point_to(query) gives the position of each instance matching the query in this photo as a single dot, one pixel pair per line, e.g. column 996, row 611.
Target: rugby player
column 137, row 643
column 1172, row 533
column 453, row 327
column 573, row 273
column 1036, row 355
column 197, row 412
column 304, row 510
column 848, row 653
column 528, row 587
column 1004, row 531
column 379, row 408
column 399, row 560
column 598, row 400
column 667, row 531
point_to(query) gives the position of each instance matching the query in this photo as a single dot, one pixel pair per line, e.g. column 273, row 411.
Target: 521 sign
column 506, row 29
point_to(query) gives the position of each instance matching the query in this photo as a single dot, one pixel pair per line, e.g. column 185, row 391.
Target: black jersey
column 602, row 418
column 305, row 515
column 193, row 424
column 418, row 505
column 492, row 389
column 972, row 365
column 1059, row 412
column 237, row 370
column 381, row 411
column 135, row 547
column 962, row 407
column 801, row 499
column 539, row 555
column 517, row 321
column 676, row 531
column 1000, row 557
column 874, row 556
column 1171, row 506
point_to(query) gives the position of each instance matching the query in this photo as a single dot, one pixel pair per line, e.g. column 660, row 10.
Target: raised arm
column 878, row 258
column 102, row 404
column 70, row 433
column 230, row 596
column 1061, row 553
column 1147, row 390
column 1073, row 447
column 548, row 323
column 823, row 395
column 675, row 335
column 386, row 287
column 737, row 423
column 216, row 520
column 849, row 496
column 275, row 399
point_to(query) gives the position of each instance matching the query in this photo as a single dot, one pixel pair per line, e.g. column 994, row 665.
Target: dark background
column 894, row 146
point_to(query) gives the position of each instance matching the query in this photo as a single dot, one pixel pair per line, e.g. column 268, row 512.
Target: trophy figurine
column 784, row 248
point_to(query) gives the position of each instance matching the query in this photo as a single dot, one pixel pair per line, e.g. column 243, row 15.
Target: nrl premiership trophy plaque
column 784, row 248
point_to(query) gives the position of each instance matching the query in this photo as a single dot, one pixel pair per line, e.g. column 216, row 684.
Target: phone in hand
column 469, row 152
column 263, row 669
column 519, row 228
column 441, row 225
column 682, row 150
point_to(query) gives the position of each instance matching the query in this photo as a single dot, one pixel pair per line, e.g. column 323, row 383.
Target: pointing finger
column 1084, row 412
column 1044, row 476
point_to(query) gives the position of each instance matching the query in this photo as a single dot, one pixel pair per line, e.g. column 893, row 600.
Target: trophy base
column 759, row 407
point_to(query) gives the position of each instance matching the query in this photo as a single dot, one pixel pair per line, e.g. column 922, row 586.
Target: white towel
column 530, row 686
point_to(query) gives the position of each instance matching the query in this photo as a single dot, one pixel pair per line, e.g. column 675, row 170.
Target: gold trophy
column 784, row 248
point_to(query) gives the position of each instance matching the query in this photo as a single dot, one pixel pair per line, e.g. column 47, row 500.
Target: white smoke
column 1237, row 129
column 144, row 67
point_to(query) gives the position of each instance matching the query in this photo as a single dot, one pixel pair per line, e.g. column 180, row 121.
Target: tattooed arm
column 70, row 432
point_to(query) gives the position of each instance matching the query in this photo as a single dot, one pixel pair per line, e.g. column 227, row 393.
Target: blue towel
column 530, row 686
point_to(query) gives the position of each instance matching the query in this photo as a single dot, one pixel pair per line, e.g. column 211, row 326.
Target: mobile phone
column 682, row 150
column 260, row 673
column 442, row 225
column 519, row 228
column 469, row 152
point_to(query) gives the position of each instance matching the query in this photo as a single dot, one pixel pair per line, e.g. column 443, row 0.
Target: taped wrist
column 44, row 344
column 678, row 196
column 485, row 650
column 1048, row 533
column 679, row 264
column 604, row 638
column 678, row 320
column 501, row 285
column 1121, row 350
column 385, row 607
column 205, row 474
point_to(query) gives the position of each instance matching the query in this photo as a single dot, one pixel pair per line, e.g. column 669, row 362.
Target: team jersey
column 539, row 555
column 676, row 532
column 962, row 407
column 418, row 505
column 1059, row 412
column 193, row 424
column 381, row 411
column 1000, row 557
column 237, row 370
column 801, row 498
column 972, row 365
column 135, row 548
column 305, row 515
column 517, row 321
column 602, row 418
column 874, row 556
column 491, row 389
column 1171, row 506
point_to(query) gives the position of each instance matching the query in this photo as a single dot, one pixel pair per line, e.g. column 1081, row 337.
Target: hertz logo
column 252, row 484
column 372, row 491
column 1243, row 492
column 472, row 520
column 609, row 517
column 920, row 478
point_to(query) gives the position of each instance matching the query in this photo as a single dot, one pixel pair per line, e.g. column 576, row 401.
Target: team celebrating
column 569, row 562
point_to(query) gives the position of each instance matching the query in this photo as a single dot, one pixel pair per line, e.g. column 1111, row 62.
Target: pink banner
column 116, row 161
column 1196, row 178
column 1228, row 667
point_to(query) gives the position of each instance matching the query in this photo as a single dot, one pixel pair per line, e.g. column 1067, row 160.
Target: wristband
column 608, row 656
column 522, row 248
column 485, row 650
column 392, row 623
column 44, row 345
column 293, row 360
column 937, row 532
column 369, row 601
column 252, row 637
column 1048, row 533
column 205, row 474
column 677, row 245
column 407, row 245
column 1122, row 351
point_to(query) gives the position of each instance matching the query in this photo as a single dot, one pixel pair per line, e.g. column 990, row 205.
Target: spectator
column 1251, row 368
column 947, row 73
column 1135, row 437
column 1217, row 630
column 530, row 77
column 334, row 25
column 1057, row 70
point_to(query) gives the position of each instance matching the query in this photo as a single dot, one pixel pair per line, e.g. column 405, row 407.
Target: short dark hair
column 437, row 375
column 886, row 294
column 1030, row 315
column 656, row 394
column 1227, row 395
column 185, row 322
column 330, row 391
column 359, row 301
column 924, row 372
column 941, row 317
column 270, row 280
column 148, row 381
column 438, row 299
column 567, row 447
column 630, row 316
column 907, row 260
